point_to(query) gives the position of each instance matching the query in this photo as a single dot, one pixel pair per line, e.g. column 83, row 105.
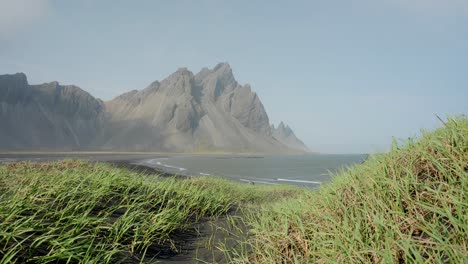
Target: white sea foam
column 172, row 167
column 262, row 182
column 205, row 174
column 7, row 160
column 158, row 163
column 151, row 161
column 299, row 181
column 267, row 179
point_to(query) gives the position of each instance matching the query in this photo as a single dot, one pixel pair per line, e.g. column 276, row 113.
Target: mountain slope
column 46, row 116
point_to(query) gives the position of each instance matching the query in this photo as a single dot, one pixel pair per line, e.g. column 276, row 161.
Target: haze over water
column 308, row 170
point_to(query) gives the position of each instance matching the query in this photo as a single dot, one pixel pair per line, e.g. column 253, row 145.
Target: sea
column 303, row 170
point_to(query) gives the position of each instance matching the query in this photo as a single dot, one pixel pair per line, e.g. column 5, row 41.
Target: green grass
column 74, row 211
column 407, row 206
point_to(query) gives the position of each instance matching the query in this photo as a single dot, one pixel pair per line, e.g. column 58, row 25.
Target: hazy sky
column 347, row 76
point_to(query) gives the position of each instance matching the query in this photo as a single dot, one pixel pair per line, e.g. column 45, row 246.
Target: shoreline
column 154, row 153
column 144, row 169
column 204, row 165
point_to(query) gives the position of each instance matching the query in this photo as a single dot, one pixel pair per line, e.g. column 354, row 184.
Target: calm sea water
column 308, row 170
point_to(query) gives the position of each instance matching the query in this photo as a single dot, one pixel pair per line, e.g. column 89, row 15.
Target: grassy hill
column 407, row 206
column 74, row 211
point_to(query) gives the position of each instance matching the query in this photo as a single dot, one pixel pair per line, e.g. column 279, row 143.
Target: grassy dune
column 75, row 211
column 407, row 206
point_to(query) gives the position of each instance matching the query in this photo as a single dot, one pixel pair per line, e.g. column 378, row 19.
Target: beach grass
column 407, row 206
column 77, row 212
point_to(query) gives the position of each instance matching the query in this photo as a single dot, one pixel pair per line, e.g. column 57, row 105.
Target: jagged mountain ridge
column 208, row 111
column 285, row 135
column 46, row 116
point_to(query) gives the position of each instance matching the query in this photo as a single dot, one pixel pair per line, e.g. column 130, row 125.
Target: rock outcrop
column 206, row 112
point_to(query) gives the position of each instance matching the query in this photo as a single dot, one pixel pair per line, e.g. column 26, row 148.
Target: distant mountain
column 206, row 112
column 284, row 134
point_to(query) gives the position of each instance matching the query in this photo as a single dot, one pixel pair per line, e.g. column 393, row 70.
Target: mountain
column 204, row 112
column 208, row 111
column 46, row 116
column 284, row 134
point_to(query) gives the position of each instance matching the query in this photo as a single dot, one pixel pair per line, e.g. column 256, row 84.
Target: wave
column 157, row 162
column 7, row 160
column 173, row 167
column 299, row 181
column 151, row 161
column 262, row 182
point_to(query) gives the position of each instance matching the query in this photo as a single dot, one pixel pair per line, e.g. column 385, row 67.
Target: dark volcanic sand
column 43, row 157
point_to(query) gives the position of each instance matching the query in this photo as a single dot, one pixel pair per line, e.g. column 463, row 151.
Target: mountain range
column 204, row 112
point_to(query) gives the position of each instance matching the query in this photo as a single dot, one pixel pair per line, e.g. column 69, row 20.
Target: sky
column 347, row 76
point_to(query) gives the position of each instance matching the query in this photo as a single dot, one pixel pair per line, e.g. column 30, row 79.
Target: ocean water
column 304, row 170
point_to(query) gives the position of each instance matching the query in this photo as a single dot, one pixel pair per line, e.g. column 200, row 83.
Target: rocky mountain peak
column 180, row 74
column 13, row 81
column 223, row 72
column 68, row 99
column 154, row 85
column 177, row 84
column 13, row 87
column 183, row 71
column 223, row 67
column 217, row 81
column 285, row 129
column 284, row 134
column 17, row 77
